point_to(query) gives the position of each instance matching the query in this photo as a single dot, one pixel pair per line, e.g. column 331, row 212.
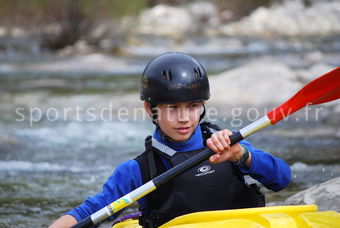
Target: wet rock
column 326, row 195
column 314, row 72
column 292, row 18
column 258, row 86
column 255, row 84
column 165, row 20
column 205, row 16
column 177, row 22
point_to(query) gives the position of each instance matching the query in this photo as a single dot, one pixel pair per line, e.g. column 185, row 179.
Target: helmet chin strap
column 163, row 135
column 203, row 113
column 154, row 116
column 154, row 121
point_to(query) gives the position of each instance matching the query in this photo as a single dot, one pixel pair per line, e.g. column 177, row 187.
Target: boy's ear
column 147, row 107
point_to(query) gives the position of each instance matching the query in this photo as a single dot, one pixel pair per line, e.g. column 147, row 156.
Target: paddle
column 323, row 89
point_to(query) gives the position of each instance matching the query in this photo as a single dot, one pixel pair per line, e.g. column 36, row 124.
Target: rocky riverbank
column 288, row 19
column 291, row 19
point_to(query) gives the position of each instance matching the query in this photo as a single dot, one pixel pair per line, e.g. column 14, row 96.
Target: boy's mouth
column 183, row 130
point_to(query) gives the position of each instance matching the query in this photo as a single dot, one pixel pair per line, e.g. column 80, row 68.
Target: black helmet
column 174, row 77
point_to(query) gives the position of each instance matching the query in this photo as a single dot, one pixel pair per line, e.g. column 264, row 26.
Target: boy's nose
column 183, row 115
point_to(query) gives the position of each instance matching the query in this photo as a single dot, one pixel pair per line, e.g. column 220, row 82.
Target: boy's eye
column 194, row 105
column 172, row 106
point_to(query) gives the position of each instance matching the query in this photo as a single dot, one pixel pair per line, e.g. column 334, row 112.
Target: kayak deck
column 276, row 216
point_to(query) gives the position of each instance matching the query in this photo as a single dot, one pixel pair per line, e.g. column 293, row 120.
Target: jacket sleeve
column 272, row 172
column 125, row 178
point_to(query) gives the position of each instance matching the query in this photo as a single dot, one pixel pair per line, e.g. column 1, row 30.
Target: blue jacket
column 272, row 172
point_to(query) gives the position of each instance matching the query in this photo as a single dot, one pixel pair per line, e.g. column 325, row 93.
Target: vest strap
column 161, row 147
column 151, row 157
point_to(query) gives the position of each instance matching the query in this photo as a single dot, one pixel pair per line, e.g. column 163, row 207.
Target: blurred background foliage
column 70, row 20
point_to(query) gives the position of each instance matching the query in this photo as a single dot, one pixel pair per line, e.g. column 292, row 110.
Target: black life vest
column 204, row 187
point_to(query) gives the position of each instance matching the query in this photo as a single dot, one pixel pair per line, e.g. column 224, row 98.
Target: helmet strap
column 203, row 113
column 163, row 135
column 154, row 114
column 154, row 117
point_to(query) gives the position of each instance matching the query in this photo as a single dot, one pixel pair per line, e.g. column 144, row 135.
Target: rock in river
column 326, row 195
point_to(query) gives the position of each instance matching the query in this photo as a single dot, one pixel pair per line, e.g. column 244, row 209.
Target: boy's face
column 178, row 121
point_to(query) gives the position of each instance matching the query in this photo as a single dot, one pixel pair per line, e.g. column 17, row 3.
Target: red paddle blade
column 321, row 90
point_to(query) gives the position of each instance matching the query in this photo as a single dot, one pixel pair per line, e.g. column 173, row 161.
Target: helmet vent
column 167, row 75
column 198, row 73
column 170, row 75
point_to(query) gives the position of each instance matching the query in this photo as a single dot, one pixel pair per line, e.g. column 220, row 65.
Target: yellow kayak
column 276, row 216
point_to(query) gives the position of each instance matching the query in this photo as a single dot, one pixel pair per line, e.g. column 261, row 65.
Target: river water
column 62, row 134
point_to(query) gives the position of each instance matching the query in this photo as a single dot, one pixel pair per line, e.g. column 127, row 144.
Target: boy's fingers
column 220, row 141
column 223, row 140
column 215, row 140
column 226, row 135
column 217, row 158
column 214, row 158
column 212, row 146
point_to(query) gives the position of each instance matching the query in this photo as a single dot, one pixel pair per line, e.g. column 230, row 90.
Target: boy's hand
column 219, row 142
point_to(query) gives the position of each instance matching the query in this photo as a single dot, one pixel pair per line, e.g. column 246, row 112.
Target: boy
column 174, row 87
